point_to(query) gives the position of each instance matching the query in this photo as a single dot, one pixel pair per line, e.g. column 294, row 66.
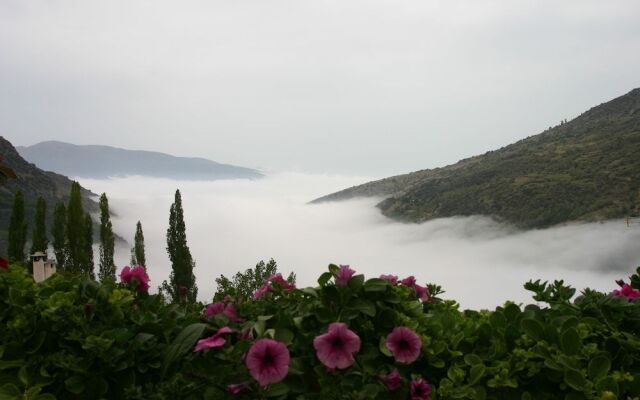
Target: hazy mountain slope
column 104, row 161
column 33, row 182
column 583, row 170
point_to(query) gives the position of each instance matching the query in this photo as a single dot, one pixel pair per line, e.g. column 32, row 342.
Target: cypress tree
column 133, row 257
column 107, row 242
column 87, row 253
column 17, row 230
column 59, row 233
column 39, row 241
column 76, row 233
column 182, row 282
column 138, row 248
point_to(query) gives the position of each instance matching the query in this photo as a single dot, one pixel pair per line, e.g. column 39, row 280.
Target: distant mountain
column 33, row 182
column 587, row 169
column 94, row 161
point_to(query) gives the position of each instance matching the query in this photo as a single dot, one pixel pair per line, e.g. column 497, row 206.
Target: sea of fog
column 233, row 224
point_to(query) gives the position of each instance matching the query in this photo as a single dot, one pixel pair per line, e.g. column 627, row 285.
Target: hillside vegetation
column 33, row 182
column 587, row 169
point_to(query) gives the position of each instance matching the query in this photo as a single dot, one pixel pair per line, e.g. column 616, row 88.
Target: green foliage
column 39, row 241
column 77, row 259
column 244, row 284
column 17, row 230
column 182, row 282
column 70, row 337
column 107, row 242
column 88, row 245
column 59, row 234
column 138, row 248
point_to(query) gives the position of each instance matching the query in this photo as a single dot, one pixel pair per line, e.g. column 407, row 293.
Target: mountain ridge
column 555, row 174
column 101, row 161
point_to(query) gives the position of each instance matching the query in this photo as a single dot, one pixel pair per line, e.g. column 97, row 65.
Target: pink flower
column 268, row 361
column 421, row 292
column 628, row 292
column 236, row 388
column 221, row 308
column 392, row 380
column 343, row 275
column 216, row 340
column 404, row 344
column 268, row 285
column 4, row 264
column 420, row 389
column 136, row 277
column 336, row 347
column 393, row 279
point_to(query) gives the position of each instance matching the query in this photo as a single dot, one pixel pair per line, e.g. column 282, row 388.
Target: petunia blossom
column 420, row 389
column 213, row 341
column 343, row 275
column 392, row 380
column 335, row 348
column 268, row 361
column 627, row 291
column 268, row 284
column 136, row 277
column 393, row 279
column 220, row 307
column 237, row 388
column 421, row 292
column 404, row 344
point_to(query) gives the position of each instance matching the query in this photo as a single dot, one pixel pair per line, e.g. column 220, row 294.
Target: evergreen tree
column 107, row 242
column 59, row 233
column 138, row 248
column 87, row 253
column 133, row 261
column 39, row 241
column 17, row 230
column 76, row 256
column 182, row 282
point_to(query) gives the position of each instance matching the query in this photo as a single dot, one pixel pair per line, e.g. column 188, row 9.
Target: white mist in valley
column 233, row 224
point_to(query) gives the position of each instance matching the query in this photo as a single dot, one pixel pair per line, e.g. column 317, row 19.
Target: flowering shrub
column 346, row 338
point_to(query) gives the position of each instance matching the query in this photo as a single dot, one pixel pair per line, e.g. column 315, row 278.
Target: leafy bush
column 73, row 338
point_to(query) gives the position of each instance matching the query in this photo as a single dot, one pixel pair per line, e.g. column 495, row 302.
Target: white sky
column 370, row 87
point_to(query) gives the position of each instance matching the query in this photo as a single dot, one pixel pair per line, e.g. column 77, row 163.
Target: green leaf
column 472, row 359
column 598, row 367
column 382, row 345
column 364, row 306
column 75, row 384
column 182, row 344
column 355, row 283
column 575, row 379
column 532, row 328
column 571, row 343
column 9, row 392
column 324, row 278
column 279, row 389
column 476, row 373
column 608, row 384
column 284, row 335
column 310, row 291
column 375, row 285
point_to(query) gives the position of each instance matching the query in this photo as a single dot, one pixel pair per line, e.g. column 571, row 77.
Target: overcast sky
column 370, row 87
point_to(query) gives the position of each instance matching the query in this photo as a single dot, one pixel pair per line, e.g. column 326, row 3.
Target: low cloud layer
column 233, row 224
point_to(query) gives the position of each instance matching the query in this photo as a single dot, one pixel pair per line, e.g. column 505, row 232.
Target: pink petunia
column 237, row 388
column 392, row 380
column 219, row 307
column 404, row 344
column 268, row 284
column 335, row 348
column 421, row 292
column 213, row 341
column 343, row 275
column 268, row 361
column 393, row 279
column 627, row 291
column 420, row 390
column 136, row 277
